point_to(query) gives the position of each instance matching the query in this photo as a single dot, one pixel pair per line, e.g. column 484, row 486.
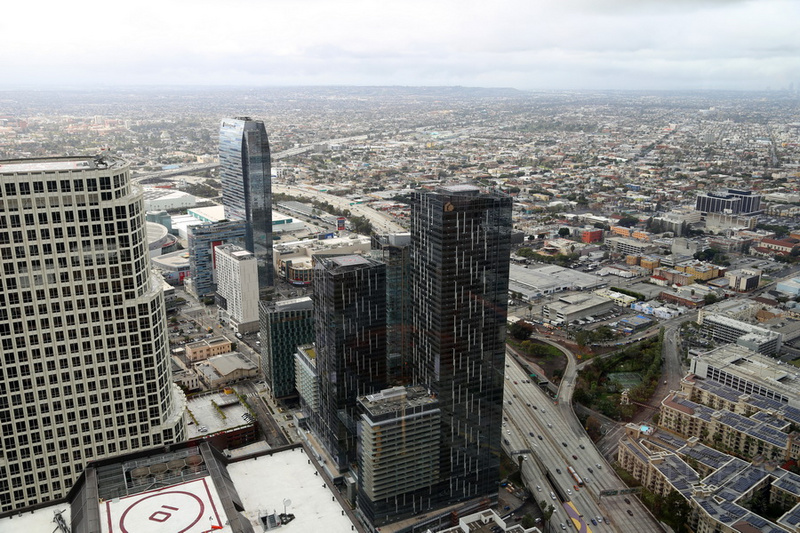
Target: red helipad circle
column 171, row 511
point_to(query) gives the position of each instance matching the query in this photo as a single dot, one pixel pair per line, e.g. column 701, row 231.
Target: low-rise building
column 622, row 300
column 205, row 348
column 575, row 306
column 221, row 370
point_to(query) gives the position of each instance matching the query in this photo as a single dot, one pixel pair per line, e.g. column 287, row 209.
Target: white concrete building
column 237, row 287
column 86, row 369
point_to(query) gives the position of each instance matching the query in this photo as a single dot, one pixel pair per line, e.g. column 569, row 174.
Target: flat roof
column 350, row 260
column 288, row 478
column 208, row 410
column 46, row 166
column 39, row 520
column 191, row 507
column 303, row 302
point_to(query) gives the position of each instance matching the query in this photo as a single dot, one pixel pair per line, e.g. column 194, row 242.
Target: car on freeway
column 558, row 470
column 575, row 457
column 590, row 470
column 594, row 522
column 582, row 446
column 629, row 512
column 564, row 444
column 569, row 492
column 531, row 433
column 540, row 437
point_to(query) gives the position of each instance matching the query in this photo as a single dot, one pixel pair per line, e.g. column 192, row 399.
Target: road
column 381, row 223
column 551, row 432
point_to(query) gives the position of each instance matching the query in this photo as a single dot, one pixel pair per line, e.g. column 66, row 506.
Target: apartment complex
column 285, row 325
column 460, row 249
column 730, row 330
column 350, row 332
column 202, row 240
column 393, row 251
column 237, row 275
column 399, row 453
column 86, row 370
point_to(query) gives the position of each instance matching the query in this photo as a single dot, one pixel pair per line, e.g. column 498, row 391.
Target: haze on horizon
column 524, row 44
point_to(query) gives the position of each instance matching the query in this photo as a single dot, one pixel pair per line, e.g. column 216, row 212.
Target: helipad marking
column 189, row 507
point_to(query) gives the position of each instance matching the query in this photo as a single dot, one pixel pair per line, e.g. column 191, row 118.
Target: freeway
column 380, row 222
column 538, row 424
column 277, row 156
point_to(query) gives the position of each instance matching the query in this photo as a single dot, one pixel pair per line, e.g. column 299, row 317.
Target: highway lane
column 531, row 410
column 381, row 223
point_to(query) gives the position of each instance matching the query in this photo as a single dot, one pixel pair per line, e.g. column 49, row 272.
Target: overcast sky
column 525, row 44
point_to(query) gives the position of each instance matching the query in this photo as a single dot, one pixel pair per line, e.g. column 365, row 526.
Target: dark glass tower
column 460, row 246
column 392, row 249
column 350, row 326
column 285, row 325
column 246, row 176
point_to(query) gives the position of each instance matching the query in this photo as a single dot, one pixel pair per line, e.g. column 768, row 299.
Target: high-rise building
column 350, row 328
column 246, row 175
column 307, row 384
column 285, row 325
column 392, row 249
column 398, row 459
column 202, row 239
column 85, row 372
column 460, row 247
column 237, row 274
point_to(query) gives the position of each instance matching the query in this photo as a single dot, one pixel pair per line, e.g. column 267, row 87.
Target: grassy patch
column 626, row 477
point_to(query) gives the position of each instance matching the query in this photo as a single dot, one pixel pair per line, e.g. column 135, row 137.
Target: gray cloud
column 528, row 44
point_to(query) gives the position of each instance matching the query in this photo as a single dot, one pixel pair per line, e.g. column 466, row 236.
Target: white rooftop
column 38, row 520
column 266, row 483
column 191, row 507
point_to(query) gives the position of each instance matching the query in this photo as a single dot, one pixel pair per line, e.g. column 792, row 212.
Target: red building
column 592, row 235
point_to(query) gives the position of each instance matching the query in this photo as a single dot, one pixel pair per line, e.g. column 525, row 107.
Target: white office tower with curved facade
column 85, row 370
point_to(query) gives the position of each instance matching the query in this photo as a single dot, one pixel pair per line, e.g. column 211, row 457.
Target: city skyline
column 614, row 44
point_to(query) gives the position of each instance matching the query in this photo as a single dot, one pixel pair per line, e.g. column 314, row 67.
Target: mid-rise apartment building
column 730, row 330
column 237, row 277
column 399, row 453
column 285, row 325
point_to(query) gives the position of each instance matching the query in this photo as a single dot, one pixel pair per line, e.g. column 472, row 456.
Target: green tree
column 519, row 331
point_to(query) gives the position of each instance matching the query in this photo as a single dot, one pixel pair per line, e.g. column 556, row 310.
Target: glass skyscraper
column 459, row 264
column 246, row 176
column 350, row 327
